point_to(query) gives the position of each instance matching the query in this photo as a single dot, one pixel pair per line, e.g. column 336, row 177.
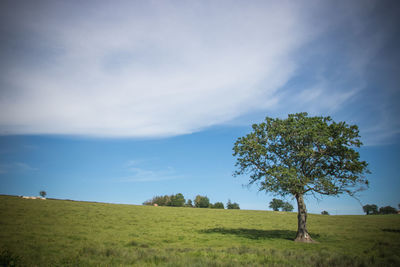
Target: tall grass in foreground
column 69, row 233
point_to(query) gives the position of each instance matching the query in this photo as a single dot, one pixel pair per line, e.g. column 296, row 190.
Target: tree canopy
column 302, row 155
column 232, row 206
column 276, row 204
column 177, row 200
column 370, row 209
column 387, row 210
column 201, row 202
column 218, row 205
column 287, row 207
column 43, row 193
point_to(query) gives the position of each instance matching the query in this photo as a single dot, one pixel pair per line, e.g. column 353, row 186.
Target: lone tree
column 302, row 155
column 43, row 194
column 370, row 209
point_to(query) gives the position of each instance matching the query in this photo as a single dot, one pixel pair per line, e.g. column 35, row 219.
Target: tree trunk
column 302, row 233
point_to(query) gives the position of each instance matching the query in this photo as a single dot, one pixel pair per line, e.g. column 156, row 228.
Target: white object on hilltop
column 25, row 197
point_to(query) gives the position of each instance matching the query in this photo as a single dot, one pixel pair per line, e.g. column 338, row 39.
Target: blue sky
column 118, row 102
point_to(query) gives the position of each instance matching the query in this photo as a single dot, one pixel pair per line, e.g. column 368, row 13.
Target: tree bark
column 302, row 233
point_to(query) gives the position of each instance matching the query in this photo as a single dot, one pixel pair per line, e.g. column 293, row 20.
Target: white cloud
column 130, row 69
column 171, row 70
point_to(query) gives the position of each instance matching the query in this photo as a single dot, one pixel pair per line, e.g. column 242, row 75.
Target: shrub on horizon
column 218, row 205
column 234, row 206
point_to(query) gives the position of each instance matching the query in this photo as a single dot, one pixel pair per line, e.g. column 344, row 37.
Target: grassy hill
column 70, row 233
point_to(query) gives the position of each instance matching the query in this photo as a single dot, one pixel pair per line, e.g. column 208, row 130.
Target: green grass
column 69, row 233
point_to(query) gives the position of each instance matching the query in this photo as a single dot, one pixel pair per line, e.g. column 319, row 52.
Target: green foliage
column 370, row 209
column 325, row 212
column 177, row 200
column 287, row 207
column 189, row 203
column 72, row 233
column 373, row 209
column 302, row 154
column 218, row 205
column 159, row 200
column 387, row 210
column 232, row 206
column 42, row 193
column 276, row 204
column 201, row 202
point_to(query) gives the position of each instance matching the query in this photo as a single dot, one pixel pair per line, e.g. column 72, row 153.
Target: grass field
column 70, row 233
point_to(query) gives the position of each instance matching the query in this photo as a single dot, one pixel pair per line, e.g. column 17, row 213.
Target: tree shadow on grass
column 253, row 233
column 392, row 230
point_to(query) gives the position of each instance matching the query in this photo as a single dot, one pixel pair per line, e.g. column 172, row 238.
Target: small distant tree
column 189, row 203
column 276, row 204
column 218, row 205
column 370, row 209
column 229, row 204
column 232, row 206
column 387, row 210
column 325, row 212
column 201, row 202
column 287, row 207
column 147, row 203
column 43, row 194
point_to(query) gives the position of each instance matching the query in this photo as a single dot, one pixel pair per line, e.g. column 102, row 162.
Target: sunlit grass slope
column 69, row 233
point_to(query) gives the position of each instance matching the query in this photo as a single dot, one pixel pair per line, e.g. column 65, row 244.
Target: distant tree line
column 372, row 209
column 178, row 200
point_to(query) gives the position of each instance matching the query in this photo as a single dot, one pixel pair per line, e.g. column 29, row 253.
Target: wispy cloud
column 136, row 173
column 154, row 69
column 16, row 167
